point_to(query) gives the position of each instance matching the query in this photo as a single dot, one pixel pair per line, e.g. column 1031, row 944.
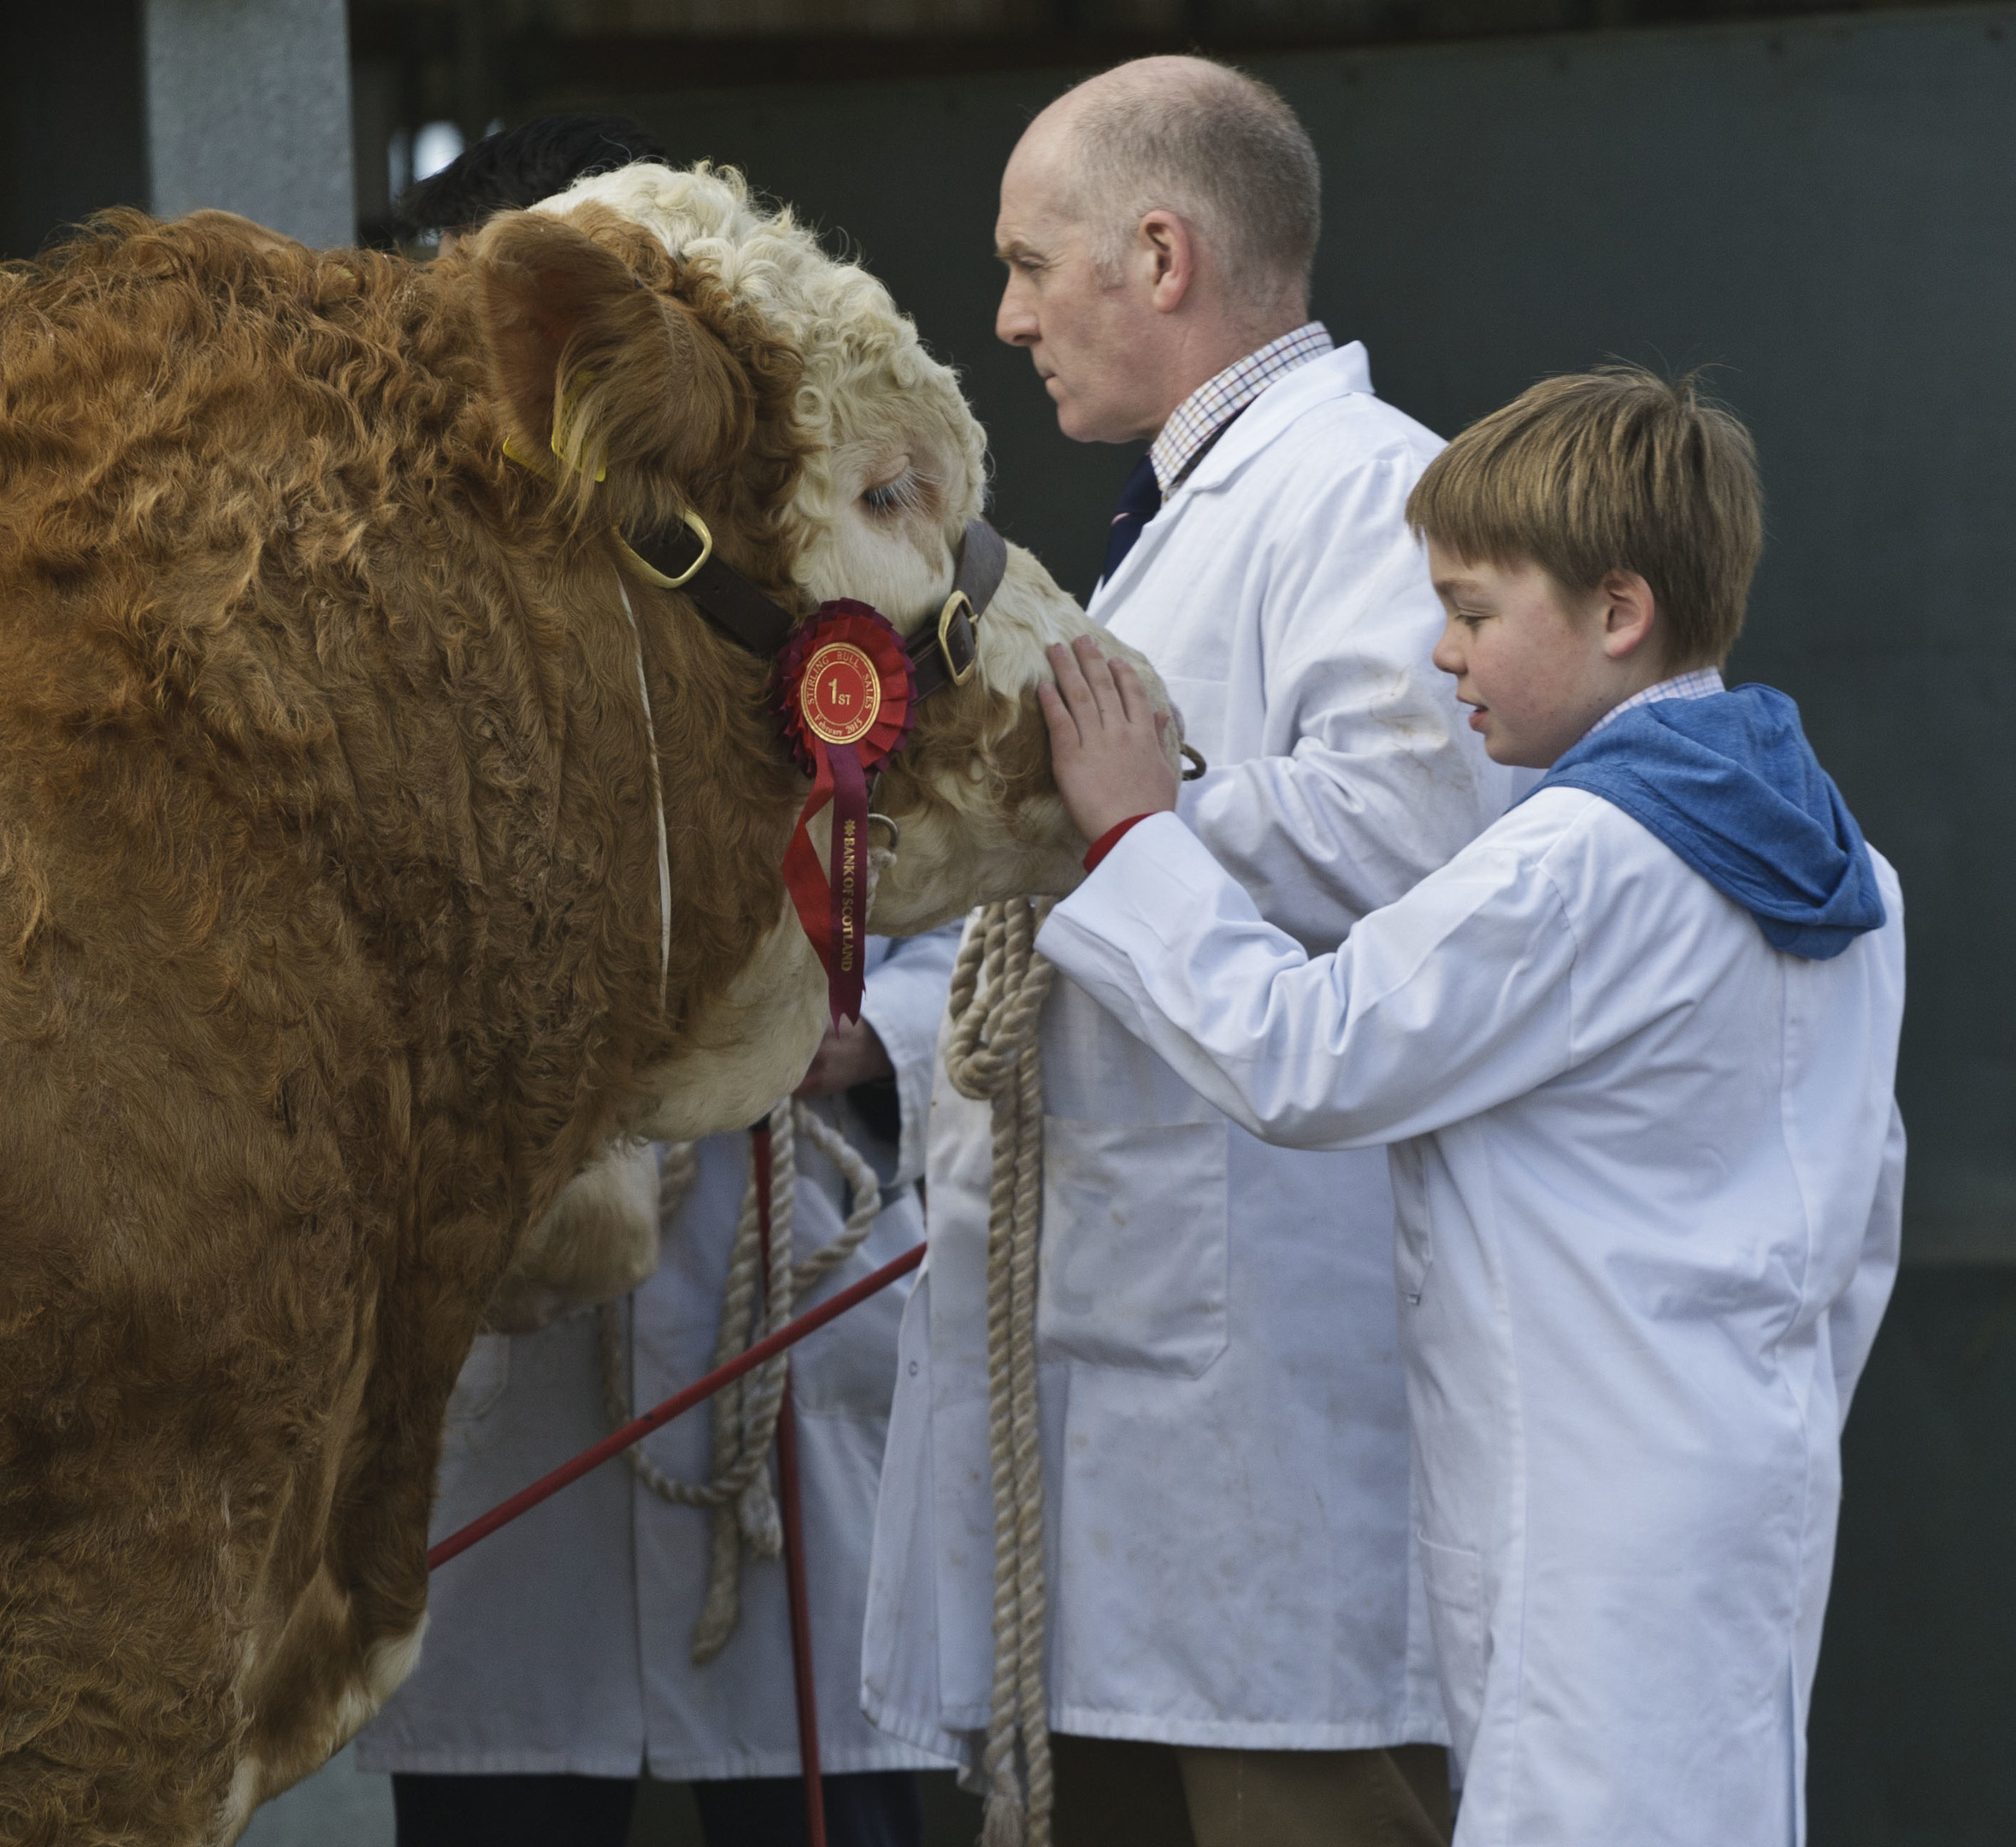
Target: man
column 1239, row 1645
column 559, row 1656
column 560, row 1653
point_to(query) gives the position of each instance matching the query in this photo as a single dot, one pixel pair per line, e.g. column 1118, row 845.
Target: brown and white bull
column 329, row 921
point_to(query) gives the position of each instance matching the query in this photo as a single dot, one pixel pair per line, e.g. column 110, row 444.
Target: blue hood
column 1731, row 785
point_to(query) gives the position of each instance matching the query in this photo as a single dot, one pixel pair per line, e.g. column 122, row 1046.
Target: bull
column 334, row 748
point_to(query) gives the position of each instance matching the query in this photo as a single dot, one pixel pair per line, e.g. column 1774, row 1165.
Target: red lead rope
column 791, row 1509
column 698, row 1393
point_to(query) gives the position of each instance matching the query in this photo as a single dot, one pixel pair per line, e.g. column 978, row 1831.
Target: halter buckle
column 959, row 606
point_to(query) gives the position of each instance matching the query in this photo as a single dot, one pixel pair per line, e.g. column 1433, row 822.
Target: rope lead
column 998, row 989
column 737, row 1488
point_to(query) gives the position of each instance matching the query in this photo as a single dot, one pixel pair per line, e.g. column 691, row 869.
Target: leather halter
column 683, row 557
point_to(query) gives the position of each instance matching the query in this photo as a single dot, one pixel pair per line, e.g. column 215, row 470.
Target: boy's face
column 1539, row 666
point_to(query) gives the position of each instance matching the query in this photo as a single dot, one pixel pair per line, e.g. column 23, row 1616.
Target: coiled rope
column 998, row 989
column 738, row 1489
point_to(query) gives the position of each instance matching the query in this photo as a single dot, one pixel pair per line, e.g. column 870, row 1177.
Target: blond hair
column 1614, row 470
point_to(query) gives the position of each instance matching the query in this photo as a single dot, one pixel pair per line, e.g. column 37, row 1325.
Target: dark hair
column 519, row 167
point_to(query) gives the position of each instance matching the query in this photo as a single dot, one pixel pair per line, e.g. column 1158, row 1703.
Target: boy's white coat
column 1648, row 1174
column 1226, row 1465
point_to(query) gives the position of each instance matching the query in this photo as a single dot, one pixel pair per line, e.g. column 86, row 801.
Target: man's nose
column 1015, row 319
column 1447, row 655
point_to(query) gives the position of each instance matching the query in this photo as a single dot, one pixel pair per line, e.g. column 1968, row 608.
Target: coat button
column 913, row 1369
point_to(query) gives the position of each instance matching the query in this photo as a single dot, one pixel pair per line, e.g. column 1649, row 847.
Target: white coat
column 561, row 1643
column 1226, row 1468
column 1649, row 1173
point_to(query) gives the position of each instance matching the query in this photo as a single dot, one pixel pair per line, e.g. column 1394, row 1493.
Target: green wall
column 1912, row 1714
column 71, row 131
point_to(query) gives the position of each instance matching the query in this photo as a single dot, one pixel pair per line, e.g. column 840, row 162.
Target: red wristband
column 1110, row 838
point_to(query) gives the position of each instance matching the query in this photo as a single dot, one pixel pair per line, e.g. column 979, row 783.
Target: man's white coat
column 1648, row 1174
column 1225, row 1455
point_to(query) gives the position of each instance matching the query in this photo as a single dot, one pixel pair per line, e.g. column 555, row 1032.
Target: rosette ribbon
column 845, row 695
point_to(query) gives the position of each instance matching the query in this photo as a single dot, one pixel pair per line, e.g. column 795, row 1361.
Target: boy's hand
column 1105, row 740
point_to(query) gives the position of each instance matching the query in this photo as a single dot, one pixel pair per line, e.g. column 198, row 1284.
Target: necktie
column 1140, row 500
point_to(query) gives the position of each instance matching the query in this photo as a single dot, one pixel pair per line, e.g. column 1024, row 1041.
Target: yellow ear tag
column 563, row 415
column 525, row 458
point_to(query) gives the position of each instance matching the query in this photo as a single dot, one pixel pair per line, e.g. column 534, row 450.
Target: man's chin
column 1073, row 422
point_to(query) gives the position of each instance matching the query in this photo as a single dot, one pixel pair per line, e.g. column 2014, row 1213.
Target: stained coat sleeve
column 1447, row 1004
column 1367, row 782
column 904, row 1000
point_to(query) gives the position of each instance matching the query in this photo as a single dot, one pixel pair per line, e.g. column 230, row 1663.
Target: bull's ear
column 591, row 366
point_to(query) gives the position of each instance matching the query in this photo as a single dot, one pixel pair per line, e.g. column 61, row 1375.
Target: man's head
column 1594, row 537
column 517, row 167
column 1158, row 223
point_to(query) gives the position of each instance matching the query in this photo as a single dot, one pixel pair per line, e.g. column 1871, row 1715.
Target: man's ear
column 592, row 368
column 1630, row 614
column 1173, row 257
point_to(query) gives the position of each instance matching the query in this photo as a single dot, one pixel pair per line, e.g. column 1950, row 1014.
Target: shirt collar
column 1199, row 418
column 1702, row 683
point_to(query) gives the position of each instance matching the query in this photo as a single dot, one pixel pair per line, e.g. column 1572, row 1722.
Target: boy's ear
column 1630, row 613
column 593, row 368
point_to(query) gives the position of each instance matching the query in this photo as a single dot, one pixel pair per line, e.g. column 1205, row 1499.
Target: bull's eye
column 901, row 494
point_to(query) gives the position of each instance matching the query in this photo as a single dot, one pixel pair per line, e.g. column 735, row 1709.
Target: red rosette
column 846, row 621
column 844, row 696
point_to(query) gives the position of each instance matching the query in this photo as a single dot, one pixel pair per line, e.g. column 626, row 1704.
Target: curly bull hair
column 329, row 933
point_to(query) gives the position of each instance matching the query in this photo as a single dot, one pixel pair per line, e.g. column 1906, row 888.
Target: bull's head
column 710, row 357
column 895, row 465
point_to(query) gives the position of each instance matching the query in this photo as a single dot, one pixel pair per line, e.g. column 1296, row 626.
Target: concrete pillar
column 248, row 108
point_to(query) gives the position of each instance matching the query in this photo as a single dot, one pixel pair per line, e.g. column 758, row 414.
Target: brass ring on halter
column 698, row 527
column 1198, row 765
column 895, row 832
column 642, row 567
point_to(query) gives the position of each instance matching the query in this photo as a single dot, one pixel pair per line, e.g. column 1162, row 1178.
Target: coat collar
column 1338, row 374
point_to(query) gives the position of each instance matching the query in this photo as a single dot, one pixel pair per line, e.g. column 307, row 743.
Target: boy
column 1633, row 1048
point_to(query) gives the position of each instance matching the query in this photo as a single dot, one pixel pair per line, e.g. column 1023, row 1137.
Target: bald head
column 1221, row 149
column 1158, row 224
